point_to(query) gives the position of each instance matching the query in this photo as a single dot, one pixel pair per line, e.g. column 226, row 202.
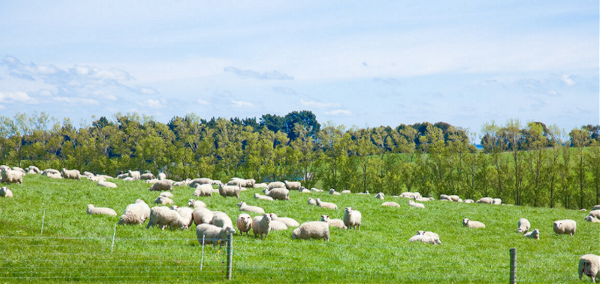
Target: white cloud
column 147, row 90
column 241, row 104
column 338, row 112
column 203, row 102
column 318, row 104
column 152, row 103
column 16, row 97
column 76, row 101
column 567, row 80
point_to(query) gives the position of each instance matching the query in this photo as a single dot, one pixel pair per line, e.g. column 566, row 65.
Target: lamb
column 250, row 183
column 293, row 185
column 262, row 197
column 5, row 192
column 523, row 226
column 333, row 192
column 107, row 184
column 390, row 204
column 472, row 224
column 261, row 225
column 380, row 196
column 186, row 213
column 323, row 204
column 311, row 201
column 202, row 215
column 203, row 190
column 287, row 221
column 333, row 222
column 425, row 239
column 162, row 185
column 211, row 234
column 228, row 190
column 135, row 213
column 565, row 227
column 414, row 204
column 244, row 207
column 13, row 176
column 487, row 200
column 275, row 184
column 196, row 203
column 312, row 230
column 162, row 176
column 164, row 216
column 134, row 174
column 221, row 219
column 588, row 218
column 352, row 218
column 535, row 234
column 346, row 191
column 277, row 226
column 589, row 265
column 100, row 210
column 147, row 176
column 428, row 233
column 162, row 200
column 244, row 223
column 278, row 193
column 497, row 201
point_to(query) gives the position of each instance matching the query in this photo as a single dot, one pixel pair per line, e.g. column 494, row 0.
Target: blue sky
column 363, row 64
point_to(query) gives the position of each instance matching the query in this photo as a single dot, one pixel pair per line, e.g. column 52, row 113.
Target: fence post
column 43, row 218
column 229, row 255
column 202, row 260
column 513, row 265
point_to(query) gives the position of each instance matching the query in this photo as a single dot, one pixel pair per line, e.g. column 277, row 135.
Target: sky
column 364, row 64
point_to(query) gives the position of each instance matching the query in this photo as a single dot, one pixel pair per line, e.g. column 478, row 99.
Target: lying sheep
column 164, row 216
column 523, row 226
column 414, row 204
column 311, row 201
column 444, row 197
column 135, row 213
column 244, row 223
column 147, row 176
column 130, row 179
column 245, row 207
column 497, row 201
column 455, row 198
column 366, row 192
column 237, row 182
column 221, row 219
column 592, row 219
column 162, row 185
column 380, row 195
column 162, row 176
column 312, row 230
column 261, row 225
column 390, row 204
column 186, row 213
column 339, row 223
column 162, row 200
column 535, row 234
column 425, row 239
column 486, row 200
column 201, row 215
column 472, row 224
column 565, row 227
column 263, row 197
column 428, row 233
column 11, row 176
column 352, row 218
column 123, row 176
column 421, row 199
column 589, row 265
column 211, row 234
column 58, row 176
column 304, row 190
column 316, row 190
column 293, row 185
column 278, row 193
column 346, row 191
column 333, row 192
column 203, row 190
column 134, row 174
column 166, row 194
column 33, row 169
column 469, row 201
column 5, row 192
column 182, row 183
column 277, row 226
column 595, row 213
column 596, row 207
column 287, row 221
column 196, row 203
column 92, row 210
column 228, row 190
column 276, row 184
column 411, row 195
column 46, row 171
column 107, row 184
column 323, row 204
column 260, row 185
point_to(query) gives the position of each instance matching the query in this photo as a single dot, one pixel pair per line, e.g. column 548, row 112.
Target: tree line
column 524, row 164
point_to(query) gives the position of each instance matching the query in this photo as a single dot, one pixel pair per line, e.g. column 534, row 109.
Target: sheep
column 275, row 184
column 311, row 201
column 13, row 176
column 18, row 169
column 589, row 265
column 565, row 227
column 316, row 190
column 595, row 213
column 410, row 195
column 287, row 221
column 245, row 207
column 202, row 215
column 196, row 203
column 46, row 171
column 352, row 218
column 135, row 213
column 469, row 201
column 588, row 218
column 260, row 185
column 5, row 192
column 414, row 204
column 277, row 226
column 425, row 239
column 380, row 195
column 162, row 176
column 183, row 182
column 107, row 184
column 261, row 225
column 185, row 212
column 262, row 197
column 390, row 204
column 55, row 175
column 129, row 179
column 487, row 200
column 278, row 193
column 123, row 176
column 166, row 194
column 472, row 224
column 211, row 234
column 164, row 216
column 86, row 173
column 596, row 207
column 163, row 200
column 535, row 234
column 33, row 169
column 333, row 192
column 428, row 233
column 198, row 181
column 323, row 204
column 237, row 182
column 105, row 177
column 346, row 191
column 497, row 201
column 92, row 210
column 339, row 223
column 455, row 198
column 228, row 190
column 304, row 190
column 244, row 223
column 221, row 219
column 444, row 197
column 134, row 174
column 293, row 185
column 523, row 226
column 147, row 176
column 312, row 230
column 4, row 167
column 203, row 190
column 250, row 183
column 162, row 185
column 421, row 199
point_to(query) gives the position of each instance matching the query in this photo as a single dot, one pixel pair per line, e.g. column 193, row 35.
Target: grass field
column 75, row 246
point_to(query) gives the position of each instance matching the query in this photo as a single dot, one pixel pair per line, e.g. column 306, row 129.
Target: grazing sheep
column 312, row 230
column 244, row 223
column 293, row 185
column 278, row 193
column 428, row 233
column 212, row 234
column 339, row 223
column 589, row 265
column 469, row 201
column 100, row 210
column 13, row 176
column 352, row 218
column 162, row 200
column 245, row 207
column 277, row 226
column 164, row 216
column 162, row 176
column 497, row 201
column 425, row 239
column 147, row 176
column 203, row 190
column 263, row 197
column 472, row 224
column 487, row 200
column 535, row 234
column 390, row 204
column 185, row 212
column 287, row 221
column 162, row 185
column 588, row 218
column 565, row 227
column 380, row 195
column 134, row 174
column 260, row 185
column 196, row 203
column 595, row 213
column 135, row 213
column 312, row 201
column 414, row 204
column 523, row 226
column 221, row 219
column 5, row 192
column 108, row 184
column 202, row 215
column 198, row 181
column 333, row 192
column 323, row 204
column 261, row 225
column 229, row 190
column 275, row 184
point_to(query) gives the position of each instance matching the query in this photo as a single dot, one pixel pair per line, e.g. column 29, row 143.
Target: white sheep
column 565, row 227
column 92, row 210
column 147, row 176
column 108, row 184
column 595, row 213
column 198, row 181
column 202, row 215
column 472, row 224
column 263, row 197
column 412, row 195
column 414, row 204
column 345, row 191
column 162, row 185
column 130, row 179
column 390, row 204
column 352, row 218
column 221, row 219
column 255, row 209
column 324, row 204
column 365, row 193
column 293, row 185
column 312, row 230
column 339, row 223
column 425, row 239
column 304, row 190
column 596, row 207
column 183, row 182
column 428, row 233
column 486, row 200
column 196, row 203
column 469, row 201
column 592, row 219
column 380, row 195
column 316, row 190
column 212, row 234
column 589, row 265
column 162, row 176
column 277, row 226
column 287, row 221
column 333, row 192
column 164, row 216
column 535, row 234
column 12, row 176
column 260, row 185
column 5, row 192
column 278, row 193
column 275, row 184
column 162, row 200
column 497, row 201
column 311, row 201
column 135, row 213
column 244, row 223
column 523, row 226
column 123, row 176
column 186, row 213
column 57, row 176
column 261, row 225
column 134, row 174
column 228, row 190
column 166, row 194
column 203, row 190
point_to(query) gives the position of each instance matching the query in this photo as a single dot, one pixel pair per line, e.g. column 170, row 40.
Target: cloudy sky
column 367, row 64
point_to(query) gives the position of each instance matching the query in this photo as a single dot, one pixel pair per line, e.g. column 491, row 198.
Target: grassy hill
column 75, row 246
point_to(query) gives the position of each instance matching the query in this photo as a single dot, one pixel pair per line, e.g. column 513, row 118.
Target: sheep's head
column 191, row 202
column 557, row 225
column 348, row 210
column 241, row 204
column 324, row 218
column 436, row 241
column 267, row 217
column 465, row 221
column 420, row 232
